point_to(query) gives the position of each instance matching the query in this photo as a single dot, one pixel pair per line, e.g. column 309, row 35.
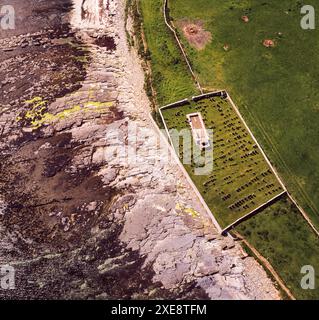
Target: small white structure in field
column 200, row 134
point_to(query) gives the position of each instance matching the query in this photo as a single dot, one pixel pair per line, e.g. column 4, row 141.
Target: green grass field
column 282, row 236
column 171, row 78
column 275, row 88
column 240, row 180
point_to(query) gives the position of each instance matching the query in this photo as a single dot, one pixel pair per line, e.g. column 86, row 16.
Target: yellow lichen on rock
column 37, row 115
column 182, row 210
column 192, row 212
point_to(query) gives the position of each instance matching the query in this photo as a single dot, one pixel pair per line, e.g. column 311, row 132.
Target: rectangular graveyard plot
column 240, row 180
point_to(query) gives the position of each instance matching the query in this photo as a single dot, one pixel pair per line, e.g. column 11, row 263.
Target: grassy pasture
column 275, row 88
column 283, row 237
column 241, row 179
column 171, row 78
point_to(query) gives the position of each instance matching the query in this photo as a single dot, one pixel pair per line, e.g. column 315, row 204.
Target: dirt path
column 267, row 265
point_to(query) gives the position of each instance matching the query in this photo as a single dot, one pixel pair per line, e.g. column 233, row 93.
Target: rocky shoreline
column 76, row 221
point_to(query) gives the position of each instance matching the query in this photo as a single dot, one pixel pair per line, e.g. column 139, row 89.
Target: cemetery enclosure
column 240, row 180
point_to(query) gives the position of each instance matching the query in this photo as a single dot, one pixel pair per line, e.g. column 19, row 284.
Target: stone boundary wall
column 253, row 212
column 176, row 104
column 223, row 93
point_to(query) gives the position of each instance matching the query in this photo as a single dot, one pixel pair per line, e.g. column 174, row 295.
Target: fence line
column 180, row 46
column 304, row 214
